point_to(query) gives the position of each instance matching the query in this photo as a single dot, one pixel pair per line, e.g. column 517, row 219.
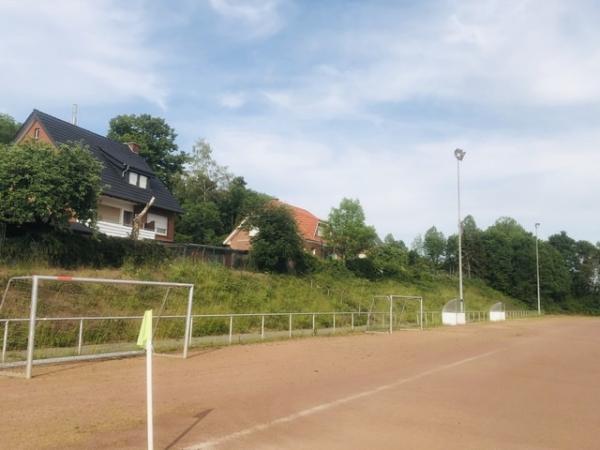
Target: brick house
column 128, row 182
column 310, row 228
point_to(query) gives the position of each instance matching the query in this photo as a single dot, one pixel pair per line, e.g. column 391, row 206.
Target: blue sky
column 313, row 101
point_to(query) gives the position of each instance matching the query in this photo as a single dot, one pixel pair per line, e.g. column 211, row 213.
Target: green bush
column 71, row 250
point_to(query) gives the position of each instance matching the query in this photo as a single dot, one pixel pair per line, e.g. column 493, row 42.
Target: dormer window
column 138, row 180
column 321, row 230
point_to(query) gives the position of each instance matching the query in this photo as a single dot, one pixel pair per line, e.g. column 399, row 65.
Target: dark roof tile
column 116, row 157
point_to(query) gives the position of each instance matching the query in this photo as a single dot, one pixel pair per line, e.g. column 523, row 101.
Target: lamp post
column 537, row 268
column 459, row 154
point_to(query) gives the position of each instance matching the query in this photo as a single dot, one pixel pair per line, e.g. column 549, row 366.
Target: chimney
column 74, row 112
column 134, row 147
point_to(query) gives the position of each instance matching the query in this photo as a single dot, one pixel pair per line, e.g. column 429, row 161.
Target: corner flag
column 146, row 329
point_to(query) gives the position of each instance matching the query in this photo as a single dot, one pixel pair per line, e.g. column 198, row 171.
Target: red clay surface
column 526, row 384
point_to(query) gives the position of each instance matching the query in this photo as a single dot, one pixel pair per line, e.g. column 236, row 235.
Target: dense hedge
column 70, row 250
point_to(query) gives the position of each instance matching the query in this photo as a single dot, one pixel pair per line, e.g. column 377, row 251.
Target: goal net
column 51, row 319
column 395, row 312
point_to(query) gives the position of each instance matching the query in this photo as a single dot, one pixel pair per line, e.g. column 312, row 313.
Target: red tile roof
column 307, row 222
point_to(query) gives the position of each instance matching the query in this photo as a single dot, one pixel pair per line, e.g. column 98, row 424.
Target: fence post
column 262, row 327
column 290, row 326
column 230, row 329
column 32, row 317
column 334, row 322
column 313, row 325
column 191, row 330
column 80, row 341
column 188, row 316
column 4, row 340
column 352, row 321
column 391, row 314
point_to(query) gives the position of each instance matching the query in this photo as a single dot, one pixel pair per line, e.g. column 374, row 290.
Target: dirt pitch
column 525, row 384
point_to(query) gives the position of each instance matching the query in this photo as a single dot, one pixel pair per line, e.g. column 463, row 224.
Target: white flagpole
column 150, row 418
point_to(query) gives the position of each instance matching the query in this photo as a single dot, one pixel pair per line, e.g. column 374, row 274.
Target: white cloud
column 492, row 66
column 258, row 18
column 405, row 192
column 486, row 52
column 70, row 51
column 232, row 100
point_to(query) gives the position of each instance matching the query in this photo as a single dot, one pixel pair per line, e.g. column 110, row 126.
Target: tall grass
column 222, row 290
column 218, row 290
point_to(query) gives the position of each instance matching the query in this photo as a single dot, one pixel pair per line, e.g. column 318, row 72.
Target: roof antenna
column 74, row 113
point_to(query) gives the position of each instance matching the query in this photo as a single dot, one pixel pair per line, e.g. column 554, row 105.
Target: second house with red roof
column 310, row 228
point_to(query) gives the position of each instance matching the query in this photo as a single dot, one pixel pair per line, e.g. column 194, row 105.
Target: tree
column 201, row 223
column 451, row 259
column 41, row 184
column 390, row 258
column 510, row 264
column 203, row 164
column 347, row 232
column 277, row 247
column 472, row 247
column 156, row 140
column 8, row 128
column 473, row 256
column 434, row 245
column 582, row 260
column 214, row 200
column 237, row 202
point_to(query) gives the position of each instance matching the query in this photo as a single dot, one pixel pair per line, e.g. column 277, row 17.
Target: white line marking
column 316, row 409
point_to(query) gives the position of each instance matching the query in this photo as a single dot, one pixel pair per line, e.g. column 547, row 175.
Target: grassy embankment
column 221, row 290
column 217, row 291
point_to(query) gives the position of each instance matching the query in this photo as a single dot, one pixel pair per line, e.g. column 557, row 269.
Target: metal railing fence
column 522, row 314
column 264, row 325
column 245, row 327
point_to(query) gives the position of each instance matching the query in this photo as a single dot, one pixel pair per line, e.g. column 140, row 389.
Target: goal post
column 395, row 312
column 412, row 308
column 66, row 318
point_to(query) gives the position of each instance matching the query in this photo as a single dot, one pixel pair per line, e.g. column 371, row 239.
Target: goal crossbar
column 35, row 281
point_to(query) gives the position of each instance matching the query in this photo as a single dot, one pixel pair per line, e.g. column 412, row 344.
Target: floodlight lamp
column 537, row 224
column 459, row 153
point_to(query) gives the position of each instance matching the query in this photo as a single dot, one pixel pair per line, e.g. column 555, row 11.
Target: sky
column 313, row 101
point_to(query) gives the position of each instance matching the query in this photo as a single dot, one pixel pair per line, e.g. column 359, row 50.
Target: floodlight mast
column 459, row 154
column 537, row 269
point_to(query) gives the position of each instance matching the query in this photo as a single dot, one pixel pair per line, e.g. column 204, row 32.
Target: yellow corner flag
column 146, row 329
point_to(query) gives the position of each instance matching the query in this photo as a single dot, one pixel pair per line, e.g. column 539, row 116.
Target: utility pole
column 459, row 154
column 537, row 268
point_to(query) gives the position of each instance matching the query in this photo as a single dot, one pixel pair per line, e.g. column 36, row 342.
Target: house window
column 157, row 223
column 133, row 178
column 127, row 218
column 143, row 181
column 109, row 214
column 320, row 230
column 138, row 180
column 36, row 133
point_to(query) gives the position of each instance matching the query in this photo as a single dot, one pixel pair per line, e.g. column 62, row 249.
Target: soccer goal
column 52, row 319
column 395, row 312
